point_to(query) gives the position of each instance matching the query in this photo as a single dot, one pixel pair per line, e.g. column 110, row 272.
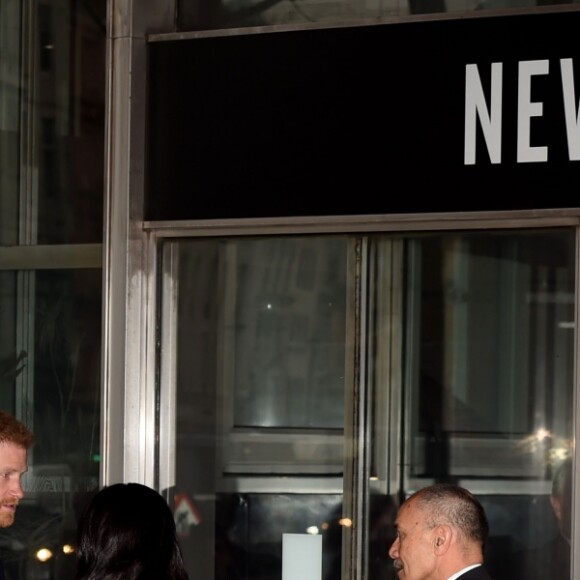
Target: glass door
column 310, row 382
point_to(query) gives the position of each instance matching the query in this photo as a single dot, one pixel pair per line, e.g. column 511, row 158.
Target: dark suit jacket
column 479, row 573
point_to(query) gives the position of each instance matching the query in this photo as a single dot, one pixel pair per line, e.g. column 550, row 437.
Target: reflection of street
column 249, row 528
column 383, row 511
column 39, row 545
column 185, row 514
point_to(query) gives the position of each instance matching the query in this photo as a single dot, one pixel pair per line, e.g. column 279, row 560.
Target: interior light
column 542, row 434
column 559, row 453
column 43, row 555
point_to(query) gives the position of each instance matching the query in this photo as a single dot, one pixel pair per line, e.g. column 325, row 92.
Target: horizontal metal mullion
column 51, row 257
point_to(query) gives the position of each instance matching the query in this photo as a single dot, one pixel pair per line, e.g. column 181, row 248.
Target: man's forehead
column 11, row 447
column 406, row 511
column 12, row 453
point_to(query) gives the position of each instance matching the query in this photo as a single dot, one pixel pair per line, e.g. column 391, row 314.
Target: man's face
column 412, row 550
column 13, row 465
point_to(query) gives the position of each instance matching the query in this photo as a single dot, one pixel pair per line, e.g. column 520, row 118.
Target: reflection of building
column 243, row 258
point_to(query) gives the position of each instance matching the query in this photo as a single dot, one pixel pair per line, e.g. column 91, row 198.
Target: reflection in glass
column 260, row 390
column 496, row 339
column 52, row 102
column 465, row 361
column 220, row 14
column 289, row 333
column 54, row 383
column 492, row 399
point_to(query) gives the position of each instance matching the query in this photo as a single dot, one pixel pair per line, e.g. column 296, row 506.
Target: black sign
column 448, row 115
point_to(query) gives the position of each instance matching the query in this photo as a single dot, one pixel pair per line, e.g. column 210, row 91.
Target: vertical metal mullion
column 575, row 507
column 406, row 453
column 357, row 449
column 24, row 342
column 225, row 373
column 129, row 430
column 167, row 357
column 397, row 357
column 386, row 359
column 28, row 190
column 27, row 211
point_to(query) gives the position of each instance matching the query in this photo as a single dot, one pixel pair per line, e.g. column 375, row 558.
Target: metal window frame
column 356, row 470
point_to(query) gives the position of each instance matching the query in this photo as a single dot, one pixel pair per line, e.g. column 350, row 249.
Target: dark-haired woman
column 128, row 532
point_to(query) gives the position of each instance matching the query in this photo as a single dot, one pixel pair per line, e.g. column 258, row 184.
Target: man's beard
column 6, row 518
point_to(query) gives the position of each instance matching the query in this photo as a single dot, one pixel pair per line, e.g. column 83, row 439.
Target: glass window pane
column 288, row 342
column 212, row 15
column 470, row 356
column 52, row 101
column 489, row 351
column 260, row 399
column 52, row 111
column 70, row 131
column 51, row 380
column 465, row 350
column 494, row 393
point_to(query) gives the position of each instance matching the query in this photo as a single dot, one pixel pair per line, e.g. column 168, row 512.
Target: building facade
column 287, row 262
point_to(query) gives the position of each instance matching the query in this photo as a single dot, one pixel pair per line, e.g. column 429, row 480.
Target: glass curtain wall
column 52, row 78
column 316, row 381
column 195, row 15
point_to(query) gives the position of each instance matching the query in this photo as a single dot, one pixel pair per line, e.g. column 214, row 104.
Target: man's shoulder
column 479, row 573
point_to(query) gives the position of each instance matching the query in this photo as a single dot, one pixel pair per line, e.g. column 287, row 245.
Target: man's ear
column 442, row 539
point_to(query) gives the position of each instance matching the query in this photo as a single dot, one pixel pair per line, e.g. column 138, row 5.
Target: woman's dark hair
column 127, row 532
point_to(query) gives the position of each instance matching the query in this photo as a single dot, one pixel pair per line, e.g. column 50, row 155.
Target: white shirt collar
column 457, row 574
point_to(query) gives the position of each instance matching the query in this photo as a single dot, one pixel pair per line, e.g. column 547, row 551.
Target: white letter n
column 475, row 106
